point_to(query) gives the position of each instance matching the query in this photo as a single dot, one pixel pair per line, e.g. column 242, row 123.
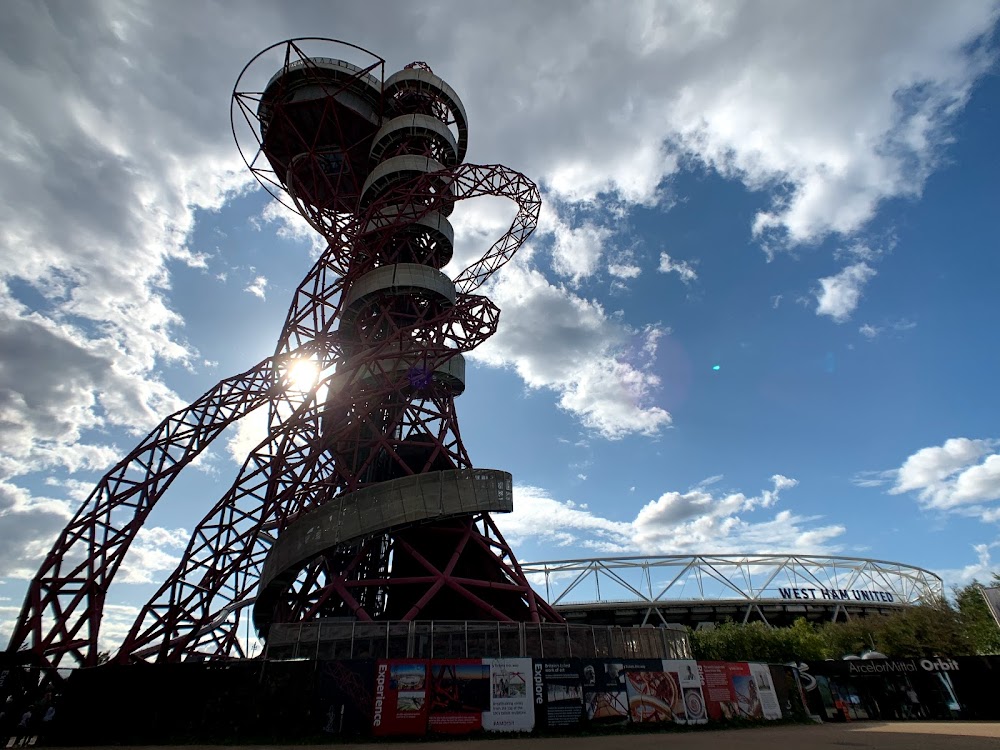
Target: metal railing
column 450, row 639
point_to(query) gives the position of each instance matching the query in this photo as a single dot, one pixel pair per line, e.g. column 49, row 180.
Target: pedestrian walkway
column 871, row 735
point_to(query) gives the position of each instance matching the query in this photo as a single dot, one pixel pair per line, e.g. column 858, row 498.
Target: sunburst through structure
column 362, row 501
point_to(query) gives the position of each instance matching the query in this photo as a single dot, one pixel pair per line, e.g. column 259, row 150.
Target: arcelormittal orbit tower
column 362, row 503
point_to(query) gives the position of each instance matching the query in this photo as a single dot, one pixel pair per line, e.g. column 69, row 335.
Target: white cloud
column 682, row 268
column 101, row 181
column 28, row 526
column 292, row 226
column 873, row 478
column 709, row 481
column 675, row 523
column 557, row 340
column 841, row 108
column 898, row 327
column 57, row 383
column 576, row 251
column 148, row 554
column 839, row 295
column 869, row 331
column 249, row 432
column 624, row 270
column 257, row 287
column 962, row 476
column 982, row 569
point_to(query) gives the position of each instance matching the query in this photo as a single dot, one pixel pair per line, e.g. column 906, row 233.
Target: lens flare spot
column 716, row 367
column 303, row 374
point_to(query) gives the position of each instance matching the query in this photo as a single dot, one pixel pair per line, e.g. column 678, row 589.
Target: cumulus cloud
column 682, row 268
column 624, row 270
column 257, row 287
column 843, row 107
column 154, row 550
column 839, row 295
column 674, row 523
column 937, row 472
column 577, row 251
column 248, row 433
column 290, row 225
column 961, row 476
column 555, row 339
column 981, row 570
column 28, row 526
column 869, row 331
column 57, row 383
column 102, row 183
column 101, row 179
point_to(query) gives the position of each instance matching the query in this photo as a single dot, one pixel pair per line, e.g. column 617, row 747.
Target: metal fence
column 437, row 639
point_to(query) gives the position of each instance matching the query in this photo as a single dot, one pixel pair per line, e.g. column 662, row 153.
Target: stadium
column 697, row 590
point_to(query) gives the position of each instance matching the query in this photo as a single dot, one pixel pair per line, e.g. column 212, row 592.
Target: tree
column 756, row 641
column 977, row 621
column 934, row 629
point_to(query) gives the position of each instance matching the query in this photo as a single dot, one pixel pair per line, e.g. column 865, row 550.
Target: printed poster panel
column 763, row 684
column 788, row 690
column 745, row 691
column 692, row 697
column 511, row 696
column 345, row 696
column 720, row 703
column 604, row 698
column 459, row 695
column 400, row 698
column 728, row 692
column 558, row 693
column 653, row 695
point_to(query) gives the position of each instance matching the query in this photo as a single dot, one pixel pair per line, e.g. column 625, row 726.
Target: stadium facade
column 696, row 589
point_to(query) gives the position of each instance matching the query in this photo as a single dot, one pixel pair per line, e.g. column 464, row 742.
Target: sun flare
column 303, row 374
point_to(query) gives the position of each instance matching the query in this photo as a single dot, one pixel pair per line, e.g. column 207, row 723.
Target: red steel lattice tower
column 362, row 501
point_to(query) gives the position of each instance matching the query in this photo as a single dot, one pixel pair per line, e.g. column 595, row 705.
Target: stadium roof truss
column 658, row 583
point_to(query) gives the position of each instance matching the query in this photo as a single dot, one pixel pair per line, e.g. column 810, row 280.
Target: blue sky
column 802, row 194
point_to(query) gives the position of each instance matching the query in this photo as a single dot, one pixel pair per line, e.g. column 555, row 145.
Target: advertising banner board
column 720, row 702
column 459, row 695
column 558, row 693
column 400, row 698
column 692, row 698
column 728, row 691
column 762, row 685
column 653, row 695
column 788, row 690
column 604, row 697
column 511, row 696
column 744, row 689
column 345, row 695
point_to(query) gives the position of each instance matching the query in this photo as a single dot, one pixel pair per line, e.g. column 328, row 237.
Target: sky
column 755, row 316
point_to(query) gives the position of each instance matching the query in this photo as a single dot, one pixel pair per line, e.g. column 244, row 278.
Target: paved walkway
column 944, row 735
column 922, row 735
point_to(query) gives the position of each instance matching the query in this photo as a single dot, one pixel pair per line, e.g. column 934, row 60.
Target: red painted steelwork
column 378, row 411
